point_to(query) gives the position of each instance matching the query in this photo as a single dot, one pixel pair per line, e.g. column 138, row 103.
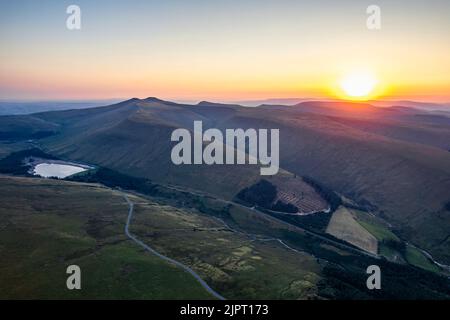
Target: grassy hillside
column 134, row 137
column 431, row 134
column 406, row 183
column 383, row 175
column 234, row 263
column 17, row 128
column 47, row 225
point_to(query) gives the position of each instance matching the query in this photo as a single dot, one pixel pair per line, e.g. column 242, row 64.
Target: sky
column 222, row 49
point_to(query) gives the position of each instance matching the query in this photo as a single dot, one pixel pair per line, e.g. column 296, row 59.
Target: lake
column 48, row 170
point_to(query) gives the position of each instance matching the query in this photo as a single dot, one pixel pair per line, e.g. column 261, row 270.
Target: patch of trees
column 398, row 246
column 111, row 178
column 317, row 221
column 261, row 194
column 447, row 206
column 344, row 276
column 327, row 194
column 363, row 205
column 313, row 222
column 284, row 207
column 13, row 163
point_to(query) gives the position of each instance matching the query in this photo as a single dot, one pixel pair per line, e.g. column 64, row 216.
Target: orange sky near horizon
column 270, row 52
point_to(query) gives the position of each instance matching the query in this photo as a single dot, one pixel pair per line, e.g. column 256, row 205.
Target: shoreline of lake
column 49, row 168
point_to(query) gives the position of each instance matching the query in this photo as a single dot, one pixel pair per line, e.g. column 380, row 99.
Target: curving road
column 159, row 255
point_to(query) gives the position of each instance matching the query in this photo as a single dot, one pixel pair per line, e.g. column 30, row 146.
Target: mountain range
column 394, row 161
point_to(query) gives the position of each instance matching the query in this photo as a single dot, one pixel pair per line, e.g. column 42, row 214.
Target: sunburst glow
column 358, row 85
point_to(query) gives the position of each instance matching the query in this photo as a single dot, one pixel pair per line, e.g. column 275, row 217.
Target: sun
column 358, row 86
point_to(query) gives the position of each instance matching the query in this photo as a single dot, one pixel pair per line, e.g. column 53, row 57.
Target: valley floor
column 47, row 225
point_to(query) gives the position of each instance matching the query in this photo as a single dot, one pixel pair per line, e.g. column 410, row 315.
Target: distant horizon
column 215, row 100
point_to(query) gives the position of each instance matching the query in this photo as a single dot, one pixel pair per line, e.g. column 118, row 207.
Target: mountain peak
column 214, row 104
column 153, row 99
column 131, row 100
column 205, row 103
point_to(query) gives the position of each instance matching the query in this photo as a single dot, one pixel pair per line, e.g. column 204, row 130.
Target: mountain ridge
column 406, row 182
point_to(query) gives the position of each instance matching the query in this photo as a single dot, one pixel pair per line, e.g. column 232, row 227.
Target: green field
column 374, row 225
column 409, row 254
column 378, row 229
column 417, row 258
column 383, row 234
column 48, row 225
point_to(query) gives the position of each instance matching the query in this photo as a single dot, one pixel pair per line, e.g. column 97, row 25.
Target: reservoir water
column 48, row 170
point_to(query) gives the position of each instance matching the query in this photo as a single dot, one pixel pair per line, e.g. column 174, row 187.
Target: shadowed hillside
column 407, row 183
